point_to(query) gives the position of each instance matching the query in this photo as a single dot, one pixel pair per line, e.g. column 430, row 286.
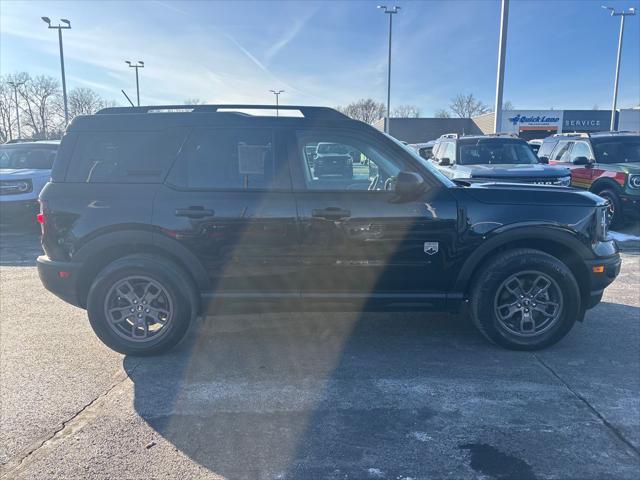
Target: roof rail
column 450, row 135
column 616, row 132
column 502, row 134
column 573, row 134
column 307, row 112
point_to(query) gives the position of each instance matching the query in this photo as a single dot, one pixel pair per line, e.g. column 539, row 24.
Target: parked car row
column 151, row 219
column 606, row 163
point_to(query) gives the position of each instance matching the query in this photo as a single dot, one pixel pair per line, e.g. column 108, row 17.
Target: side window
column 436, row 150
column 449, row 151
column 224, row 158
column 580, row 149
column 546, row 148
column 340, row 162
column 561, row 153
column 124, row 157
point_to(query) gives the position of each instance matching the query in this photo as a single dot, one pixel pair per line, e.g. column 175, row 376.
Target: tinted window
column 618, row 151
column 37, row 158
column 223, row 158
column 124, row 157
column 496, row 152
column 355, row 165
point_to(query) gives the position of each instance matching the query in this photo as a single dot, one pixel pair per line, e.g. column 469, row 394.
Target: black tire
column 489, row 284
column 616, row 218
column 178, row 291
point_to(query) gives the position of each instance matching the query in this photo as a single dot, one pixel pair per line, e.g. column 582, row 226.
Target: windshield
column 425, row 163
column 496, row 152
column 620, row 150
column 37, row 158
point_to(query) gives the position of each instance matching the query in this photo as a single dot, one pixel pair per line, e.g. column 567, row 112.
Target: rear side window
column 546, row 148
column 224, row 158
column 124, row 157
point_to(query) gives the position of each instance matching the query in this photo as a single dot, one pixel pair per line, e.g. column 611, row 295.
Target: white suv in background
column 25, row 168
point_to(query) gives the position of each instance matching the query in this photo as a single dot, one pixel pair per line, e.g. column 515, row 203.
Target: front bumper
column 19, row 210
column 602, row 273
column 60, row 278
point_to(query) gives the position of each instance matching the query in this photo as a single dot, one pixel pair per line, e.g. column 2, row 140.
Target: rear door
column 565, row 153
column 228, row 199
column 356, row 240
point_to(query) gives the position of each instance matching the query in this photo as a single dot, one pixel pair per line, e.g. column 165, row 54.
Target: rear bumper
column 19, row 210
column 60, row 278
column 600, row 280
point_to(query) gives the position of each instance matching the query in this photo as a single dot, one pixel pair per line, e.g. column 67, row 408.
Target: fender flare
column 513, row 233
column 140, row 237
column 605, row 183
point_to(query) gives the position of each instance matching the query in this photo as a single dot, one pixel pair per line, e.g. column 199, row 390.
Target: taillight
column 40, row 217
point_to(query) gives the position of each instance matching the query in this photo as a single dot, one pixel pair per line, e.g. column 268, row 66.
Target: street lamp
column 138, row 65
column 621, row 14
column 391, row 11
column 15, row 86
column 66, row 26
column 277, row 94
column 502, row 51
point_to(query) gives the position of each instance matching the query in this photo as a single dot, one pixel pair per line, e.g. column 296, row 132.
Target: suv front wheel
column 140, row 305
column 525, row 299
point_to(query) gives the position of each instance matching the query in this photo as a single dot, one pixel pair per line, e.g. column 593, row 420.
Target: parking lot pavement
column 313, row 395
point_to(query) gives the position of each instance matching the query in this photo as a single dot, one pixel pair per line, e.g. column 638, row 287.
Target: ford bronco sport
column 156, row 215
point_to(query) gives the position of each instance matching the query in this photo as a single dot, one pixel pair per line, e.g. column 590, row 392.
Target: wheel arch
column 604, row 184
column 560, row 244
column 96, row 254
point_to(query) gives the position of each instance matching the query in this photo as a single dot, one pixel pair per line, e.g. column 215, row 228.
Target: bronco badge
column 430, row 248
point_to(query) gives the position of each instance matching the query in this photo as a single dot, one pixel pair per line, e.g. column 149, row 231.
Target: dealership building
column 527, row 124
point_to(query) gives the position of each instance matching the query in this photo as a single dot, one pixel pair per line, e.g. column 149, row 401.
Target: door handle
column 331, row 213
column 194, row 212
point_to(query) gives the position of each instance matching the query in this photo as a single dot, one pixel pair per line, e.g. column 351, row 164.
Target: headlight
column 9, row 187
column 564, row 181
column 602, row 223
column 634, row 181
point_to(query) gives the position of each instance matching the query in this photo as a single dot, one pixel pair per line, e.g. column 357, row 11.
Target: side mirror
column 581, row 161
column 444, row 162
column 409, row 185
column 544, row 160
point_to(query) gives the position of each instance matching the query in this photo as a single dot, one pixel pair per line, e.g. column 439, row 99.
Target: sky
column 560, row 54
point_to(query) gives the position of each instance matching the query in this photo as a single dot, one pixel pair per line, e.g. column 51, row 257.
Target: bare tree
column 365, row 109
column 467, row 106
column 507, row 105
column 194, row 101
column 406, row 111
column 7, row 112
column 442, row 113
column 41, row 97
column 84, row 101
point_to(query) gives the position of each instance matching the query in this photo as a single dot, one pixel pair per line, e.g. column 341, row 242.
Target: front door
column 228, row 199
column 357, row 240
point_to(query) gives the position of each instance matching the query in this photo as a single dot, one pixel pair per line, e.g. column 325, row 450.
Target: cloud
column 289, row 35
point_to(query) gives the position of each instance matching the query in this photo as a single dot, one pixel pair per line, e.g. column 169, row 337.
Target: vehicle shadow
column 19, row 245
column 358, row 395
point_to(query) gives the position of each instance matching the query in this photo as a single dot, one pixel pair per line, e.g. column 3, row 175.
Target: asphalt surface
column 306, row 396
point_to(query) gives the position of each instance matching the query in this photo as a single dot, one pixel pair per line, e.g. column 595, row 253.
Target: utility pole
column 277, row 94
column 138, row 65
column 621, row 14
column 502, row 52
column 67, row 25
column 15, row 86
column 391, row 12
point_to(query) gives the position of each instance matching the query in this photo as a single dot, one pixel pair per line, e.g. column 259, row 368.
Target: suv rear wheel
column 140, row 305
column 525, row 299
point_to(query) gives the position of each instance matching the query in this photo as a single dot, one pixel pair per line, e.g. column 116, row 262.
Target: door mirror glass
column 444, row 162
column 409, row 185
column 581, row 161
column 544, row 160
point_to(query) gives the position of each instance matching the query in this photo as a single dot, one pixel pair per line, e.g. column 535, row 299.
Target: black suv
column 494, row 158
column 155, row 215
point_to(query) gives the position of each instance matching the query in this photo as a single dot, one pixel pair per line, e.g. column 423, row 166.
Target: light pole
column 66, row 26
column 502, row 51
column 15, row 86
column 391, row 11
column 277, row 94
column 138, row 65
column 621, row 14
